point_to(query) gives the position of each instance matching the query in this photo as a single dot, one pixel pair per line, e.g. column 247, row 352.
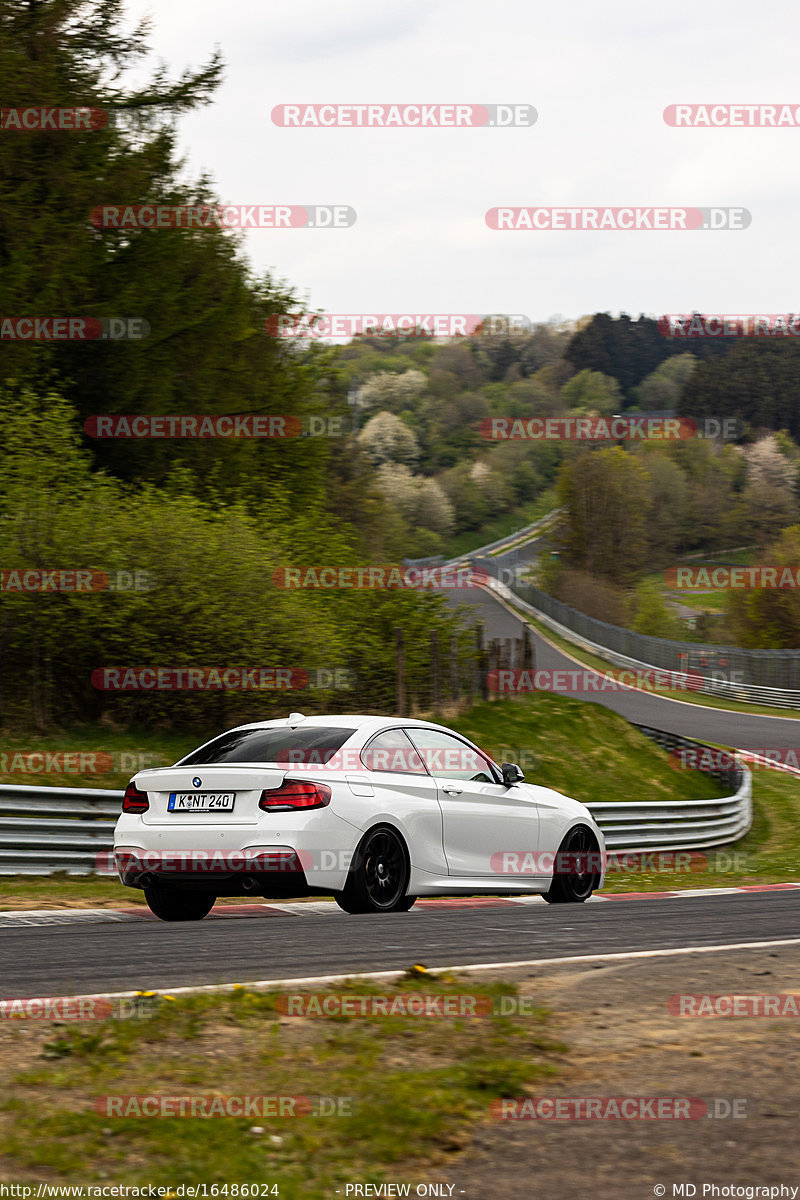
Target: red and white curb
column 313, row 908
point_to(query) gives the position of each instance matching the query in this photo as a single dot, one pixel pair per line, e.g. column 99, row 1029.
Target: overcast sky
column 599, row 76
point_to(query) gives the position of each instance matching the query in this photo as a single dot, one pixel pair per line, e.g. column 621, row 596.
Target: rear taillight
column 134, row 801
column 295, row 793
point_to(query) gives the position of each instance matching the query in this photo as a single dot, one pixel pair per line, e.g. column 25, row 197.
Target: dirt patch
column 624, row 1042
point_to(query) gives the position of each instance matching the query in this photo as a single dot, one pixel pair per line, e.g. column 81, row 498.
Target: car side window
column 392, row 751
column 446, row 755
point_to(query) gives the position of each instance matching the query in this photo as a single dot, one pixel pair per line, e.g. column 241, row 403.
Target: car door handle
column 452, row 791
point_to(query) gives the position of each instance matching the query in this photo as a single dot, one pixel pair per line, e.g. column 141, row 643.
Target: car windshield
column 315, row 743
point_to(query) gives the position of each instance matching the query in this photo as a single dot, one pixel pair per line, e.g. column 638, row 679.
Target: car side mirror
column 511, row 774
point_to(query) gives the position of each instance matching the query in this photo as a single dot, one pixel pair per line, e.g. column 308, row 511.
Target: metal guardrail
column 44, row 830
column 678, row 657
column 49, row 829
column 679, row 824
column 511, row 540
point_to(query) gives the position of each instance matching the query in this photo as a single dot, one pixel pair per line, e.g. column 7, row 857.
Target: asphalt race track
column 689, row 720
column 81, row 958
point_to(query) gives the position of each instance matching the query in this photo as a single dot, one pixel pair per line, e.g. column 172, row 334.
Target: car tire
column 172, row 904
column 379, row 875
column 574, row 887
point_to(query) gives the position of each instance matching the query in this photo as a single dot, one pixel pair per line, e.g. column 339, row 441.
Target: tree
column 493, row 486
column 669, row 512
column 598, row 598
column 212, row 599
column 757, row 382
column 606, row 498
column 385, row 438
column 208, row 350
column 434, row 510
column 631, row 350
column 470, row 504
column 421, row 501
column 591, row 391
column 769, row 617
column 392, row 392
column 768, row 464
column 662, row 389
column 653, row 617
column 400, row 488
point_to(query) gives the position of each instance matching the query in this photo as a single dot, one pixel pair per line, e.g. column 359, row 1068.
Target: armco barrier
column 680, row 824
column 509, row 542
column 48, row 829
column 721, row 667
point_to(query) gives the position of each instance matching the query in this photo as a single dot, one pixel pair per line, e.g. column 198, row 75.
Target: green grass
column 65, row 891
column 583, row 750
column 742, row 558
column 714, row 600
column 415, row 1088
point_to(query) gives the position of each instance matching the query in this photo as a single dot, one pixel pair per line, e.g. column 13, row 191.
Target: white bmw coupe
column 375, row 810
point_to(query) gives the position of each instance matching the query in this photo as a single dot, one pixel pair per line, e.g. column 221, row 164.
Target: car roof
column 347, row 720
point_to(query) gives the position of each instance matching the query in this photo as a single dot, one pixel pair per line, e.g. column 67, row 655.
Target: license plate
column 201, row 801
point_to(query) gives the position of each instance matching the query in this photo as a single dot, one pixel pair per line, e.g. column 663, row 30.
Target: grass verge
column 415, row 1087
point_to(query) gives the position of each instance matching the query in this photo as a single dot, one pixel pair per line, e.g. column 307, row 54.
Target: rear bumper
column 285, row 855
column 272, row 872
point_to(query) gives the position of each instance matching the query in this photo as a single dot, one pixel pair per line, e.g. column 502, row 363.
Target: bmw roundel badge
column 197, row 781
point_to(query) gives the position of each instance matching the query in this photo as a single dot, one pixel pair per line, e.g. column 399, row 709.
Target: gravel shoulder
column 624, row 1041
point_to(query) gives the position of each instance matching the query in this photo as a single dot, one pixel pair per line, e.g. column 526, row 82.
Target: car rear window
column 315, row 744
